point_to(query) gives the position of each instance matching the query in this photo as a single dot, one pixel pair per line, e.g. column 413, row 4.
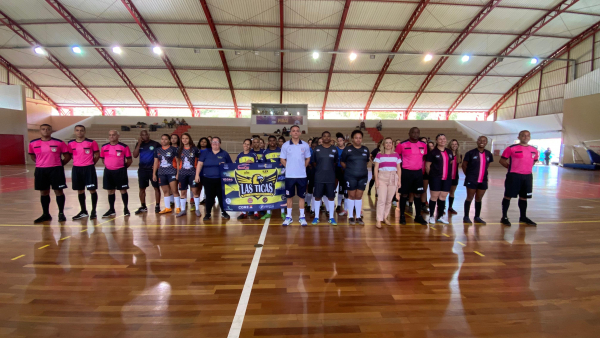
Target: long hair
column 181, row 143
column 457, row 155
column 200, row 142
column 178, row 140
column 382, row 145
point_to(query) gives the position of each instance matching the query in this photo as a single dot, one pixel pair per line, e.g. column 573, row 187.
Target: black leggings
column 212, row 189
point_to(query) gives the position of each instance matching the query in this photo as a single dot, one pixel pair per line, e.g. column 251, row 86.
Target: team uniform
column 455, row 175
column 167, row 165
column 356, row 174
column 146, row 165
column 476, row 176
column 519, row 179
column 259, row 154
column 271, row 156
column 187, row 168
column 440, row 171
column 325, row 160
column 339, row 176
column 83, row 174
column 412, row 154
column 245, row 158
column 295, row 174
column 115, row 173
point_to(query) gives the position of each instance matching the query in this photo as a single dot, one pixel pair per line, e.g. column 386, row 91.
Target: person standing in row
column 247, row 156
column 204, row 145
column 386, row 171
column 439, row 167
column 280, row 141
column 165, row 173
column 257, row 150
column 475, row 167
column 310, row 175
column 188, row 155
column 519, row 179
column 86, row 154
column 355, row 159
column 456, row 161
column 412, row 152
column 50, row 156
column 373, row 155
column 116, row 157
column 339, row 175
column 210, row 165
column 295, row 156
column 324, row 160
column 271, row 155
column 144, row 149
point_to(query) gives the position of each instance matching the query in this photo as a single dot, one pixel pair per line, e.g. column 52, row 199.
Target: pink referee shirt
column 83, row 152
column 521, row 157
column 47, row 153
column 114, row 155
column 412, row 154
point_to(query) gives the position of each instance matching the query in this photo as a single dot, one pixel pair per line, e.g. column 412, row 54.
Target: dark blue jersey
column 147, row 154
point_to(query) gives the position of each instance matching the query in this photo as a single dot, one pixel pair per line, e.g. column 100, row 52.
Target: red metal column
column 333, row 57
column 516, row 104
column 146, row 29
column 10, row 23
column 281, row 46
column 568, row 65
column 407, row 28
column 593, row 52
column 551, row 15
column 563, row 49
column 537, row 108
column 213, row 29
column 62, row 10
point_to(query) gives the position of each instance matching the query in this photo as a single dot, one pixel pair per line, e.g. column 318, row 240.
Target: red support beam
column 537, row 107
column 62, row 10
column 213, row 29
column 559, row 52
column 551, row 15
column 146, row 29
column 333, row 57
column 593, row 52
column 453, row 47
column 407, row 28
column 30, row 84
column 17, row 29
column 281, row 46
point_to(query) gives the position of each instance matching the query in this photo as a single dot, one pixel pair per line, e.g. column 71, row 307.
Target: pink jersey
column 83, row 152
column 412, row 154
column 47, row 153
column 114, row 155
column 521, row 158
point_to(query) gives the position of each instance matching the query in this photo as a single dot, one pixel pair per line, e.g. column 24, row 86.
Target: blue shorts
column 186, row 181
column 295, row 186
column 166, row 179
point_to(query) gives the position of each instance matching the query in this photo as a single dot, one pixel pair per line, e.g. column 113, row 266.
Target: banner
column 253, row 186
column 278, row 119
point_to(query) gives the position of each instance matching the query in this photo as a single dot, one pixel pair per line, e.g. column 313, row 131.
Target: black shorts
column 325, row 189
column 84, row 177
column 520, row 185
column 455, row 181
column 295, row 186
column 437, row 184
column 354, row 183
column 425, row 176
column 186, row 181
column 476, row 185
column 166, row 179
column 411, row 182
column 115, row 179
column 50, row 177
column 145, row 179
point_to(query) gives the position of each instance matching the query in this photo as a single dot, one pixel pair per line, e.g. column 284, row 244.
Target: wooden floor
column 157, row 276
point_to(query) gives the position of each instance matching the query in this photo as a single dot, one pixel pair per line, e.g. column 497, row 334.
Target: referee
column 324, row 160
column 295, row 156
column 85, row 154
column 116, row 157
column 412, row 152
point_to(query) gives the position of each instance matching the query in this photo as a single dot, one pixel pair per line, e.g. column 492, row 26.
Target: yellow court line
column 12, row 259
column 461, row 243
column 445, row 235
column 432, row 228
column 479, row 253
column 62, row 239
column 45, row 246
column 84, row 230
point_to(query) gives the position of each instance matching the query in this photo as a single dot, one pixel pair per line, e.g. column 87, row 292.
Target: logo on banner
column 257, row 185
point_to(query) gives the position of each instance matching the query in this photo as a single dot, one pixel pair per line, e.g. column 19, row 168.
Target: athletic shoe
column 505, row 221
column 443, row 219
column 80, row 215
column 452, row 211
column 351, row 221
column 303, row 221
column 467, row 220
column 431, row 220
column 192, row 207
column 178, row 210
column 359, row 220
column 287, row 221
column 527, row 221
column 425, row 208
column 62, row 218
column 242, row 216
column 478, row 220
column 157, row 209
column 267, row 215
column 402, row 220
column 332, row 221
column 283, row 215
column 338, row 208
column 126, row 212
column 198, row 213
column 315, row 221
column 183, row 213
column 419, row 219
column 225, row 215
column 206, row 217
column 93, row 214
column 43, row 218
column 141, row 210
column 312, row 213
column 165, row 211
column 109, row 213
column 343, row 213
column 256, row 215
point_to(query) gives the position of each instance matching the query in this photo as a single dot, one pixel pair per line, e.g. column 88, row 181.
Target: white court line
column 24, row 172
column 240, row 312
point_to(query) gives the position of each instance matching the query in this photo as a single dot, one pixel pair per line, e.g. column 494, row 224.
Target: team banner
column 278, row 119
column 253, row 186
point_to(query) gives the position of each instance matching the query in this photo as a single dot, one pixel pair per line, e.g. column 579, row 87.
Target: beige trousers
column 388, row 185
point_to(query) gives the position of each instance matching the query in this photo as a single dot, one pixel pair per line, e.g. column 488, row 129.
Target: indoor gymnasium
column 300, row 168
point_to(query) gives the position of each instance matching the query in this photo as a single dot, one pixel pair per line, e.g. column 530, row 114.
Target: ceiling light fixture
column 315, row 55
column 534, row 61
column 76, row 49
column 428, row 57
column 465, row 58
column 157, row 50
column 39, row 50
column 117, row 50
column 352, row 56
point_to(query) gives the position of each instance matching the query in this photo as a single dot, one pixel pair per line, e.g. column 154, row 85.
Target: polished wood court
column 158, row 276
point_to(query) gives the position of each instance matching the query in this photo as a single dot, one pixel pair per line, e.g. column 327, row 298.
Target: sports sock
column 182, row 203
column 467, row 208
column 431, row 207
column 81, row 198
column 60, row 201
column 418, row 206
column 317, row 208
column 477, row 208
column 289, row 213
column 371, row 183
column 125, row 198
column 111, row 201
column 340, row 199
column 197, row 202
column 450, row 202
column 358, row 207
column 331, row 209
column 171, row 200
column 350, row 207
column 269, row 212
column 523, row 208
column 410, row 205
column 167, row 200
column 283, row 210
column 177, row 202
column 45, row 200
column 94, row 200
column 441, row 205
column 505, row 205
column 301, row 212
column 402, row 205
column 308, row 199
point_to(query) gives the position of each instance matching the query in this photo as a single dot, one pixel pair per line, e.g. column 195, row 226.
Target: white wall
column 14, row 121
column 11, row 97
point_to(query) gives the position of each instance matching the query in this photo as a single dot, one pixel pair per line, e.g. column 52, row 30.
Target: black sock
column 410, row 205
column 371, row 184
column 477, row 208
column 418, row 206
column 60, row 201
column 441, row 205
column 450, row 202
column 94, row 200
column 45, row 204
column 111, row 201
column 402, row 205
column 505, row 205
column 468, row 208
column 125, row 198
column 82, row 202
column 143, row 205
column 523, row 208
column 431, row 208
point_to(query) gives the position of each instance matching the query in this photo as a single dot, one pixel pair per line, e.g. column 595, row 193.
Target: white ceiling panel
column 353, row 81
column 314, row 100
column 255, row 80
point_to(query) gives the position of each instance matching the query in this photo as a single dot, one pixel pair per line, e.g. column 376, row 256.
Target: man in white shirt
column 295, row 156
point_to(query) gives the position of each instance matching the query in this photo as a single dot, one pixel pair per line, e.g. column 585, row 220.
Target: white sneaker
column 443, row 219
column 287, row 221
column 431, row 220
